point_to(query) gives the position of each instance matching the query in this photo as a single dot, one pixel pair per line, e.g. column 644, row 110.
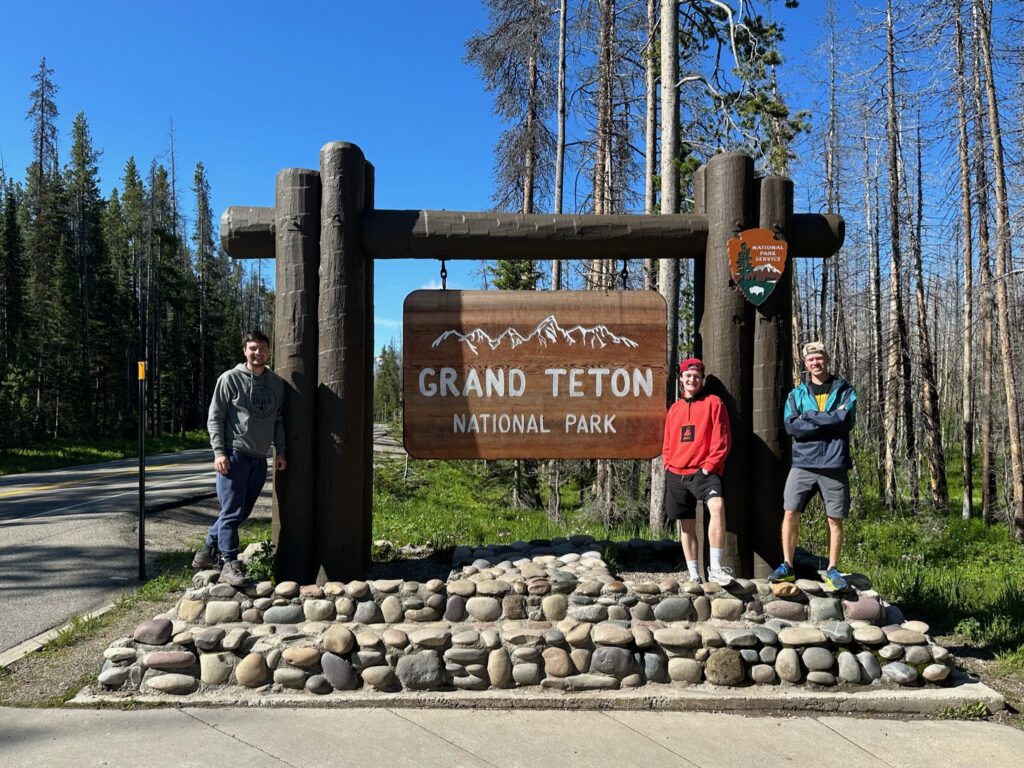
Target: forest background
column 912, row 134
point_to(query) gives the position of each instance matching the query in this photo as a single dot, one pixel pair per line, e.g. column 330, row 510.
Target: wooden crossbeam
column 248, row 233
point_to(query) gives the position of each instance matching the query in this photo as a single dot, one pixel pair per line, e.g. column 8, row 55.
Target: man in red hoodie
column 697, row 440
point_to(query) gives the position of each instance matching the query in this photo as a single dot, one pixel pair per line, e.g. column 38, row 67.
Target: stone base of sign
column 548, row 617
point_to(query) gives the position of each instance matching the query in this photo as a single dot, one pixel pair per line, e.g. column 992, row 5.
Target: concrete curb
column 24, row 648
column 653, row 696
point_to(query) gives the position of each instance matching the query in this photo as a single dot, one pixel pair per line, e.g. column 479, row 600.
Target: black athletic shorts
column 684, row 491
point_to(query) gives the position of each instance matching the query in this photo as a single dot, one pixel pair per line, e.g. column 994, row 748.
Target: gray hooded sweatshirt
column 245, row 413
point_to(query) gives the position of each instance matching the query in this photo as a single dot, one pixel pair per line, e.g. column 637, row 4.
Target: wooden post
column 727, row 338
column 297, row 255
column 343, row 506
column 369, row 365
column 772, row 380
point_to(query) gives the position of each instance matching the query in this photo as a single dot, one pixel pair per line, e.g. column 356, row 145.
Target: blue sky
column 251, row 89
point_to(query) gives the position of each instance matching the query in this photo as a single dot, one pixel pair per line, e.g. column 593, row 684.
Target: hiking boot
column 232, row 573
column 721, row 575
column 835, row 579
column 206, row 558
column 783, row 573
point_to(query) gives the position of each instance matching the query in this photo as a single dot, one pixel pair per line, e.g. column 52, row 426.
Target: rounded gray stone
column 367, row 612
column 839, row 632
column 382, row 678
column 820, row 677
column 216, row 668
column 849, row 668
column 422, row 671
column 682, row 670
column 290, row 677
column 739, row 638
column 899, row 673
column 319, row 685
column 527, row 673
column 339, row 673
column 609, row 660
column 787, row 665
column 483, row 608
column 762, row 674
column 869, row 666
column 917, row 654
column 768, row 654
column 173, row 683
column 935, row 673
column 113, row 677
column 282, row 614
column 818, row 659
column 821, row 609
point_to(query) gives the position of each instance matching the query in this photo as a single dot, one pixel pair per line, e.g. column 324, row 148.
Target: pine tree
column 387, row 386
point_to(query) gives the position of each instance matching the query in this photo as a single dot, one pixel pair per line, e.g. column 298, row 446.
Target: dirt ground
column 50, row 678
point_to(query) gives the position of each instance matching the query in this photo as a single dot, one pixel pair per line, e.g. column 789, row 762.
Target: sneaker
column 783, row 573
column 696, row 580
column 721, row 575
column 206, row 558
column 835, row 579
column 231, row 572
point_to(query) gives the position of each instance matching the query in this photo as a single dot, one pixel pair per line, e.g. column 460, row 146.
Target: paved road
column 68, row 537
column 424, row 738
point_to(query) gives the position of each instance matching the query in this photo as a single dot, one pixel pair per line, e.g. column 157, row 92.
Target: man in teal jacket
column 819, row 416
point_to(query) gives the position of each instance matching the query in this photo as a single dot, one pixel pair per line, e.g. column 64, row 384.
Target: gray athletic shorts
column 834, row 484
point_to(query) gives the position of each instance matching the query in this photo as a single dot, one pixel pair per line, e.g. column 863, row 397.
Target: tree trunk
column 967, row 372
column 1003, row 260
column 885, row 465
column 929, row 389
column 899, row 351
column 988, row 471
column 668, row 269
column 556, row 265
column 650, row 130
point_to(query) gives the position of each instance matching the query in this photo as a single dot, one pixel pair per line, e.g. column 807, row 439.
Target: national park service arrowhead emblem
column 756, row 262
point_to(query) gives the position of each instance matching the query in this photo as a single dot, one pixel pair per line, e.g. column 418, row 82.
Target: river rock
column 768, row 654
column 281, row 614
column 839, row 632
column 381, row 678
column 607, row 633
column 252, row 671
column 483, row 608
column 916, row 655
column 739, row 638
column 611, row 661
column 905, row 637
column 869, row 666
column 725, row 667
column 821, row 677
column 891, row 652
column 869, row 635
column 899, row 673
column 290, row 677
column 190, row 610
column 338, row 639
column 726, row 608
column 302, row 656
column 154, row 632
column 816, row 658
column 849, row 668
column 319, row 685
column 113, row 677
column 800, row 636
column 208, row 638
column 862, row 608
column 368, row 612
column 677, row 637
column 682, row 670
column 173, row 683
column 554, row 607
column 821, row 609
column 338, row 672
column 786, row 609
column 527, row 673
column 785, row 589
column 583, row 682
column 169, row 660
column 787, row 665
column 216, row 668
column 762, row 674
column 499, row 668
column 675, row 609
column 318, row 610
column 580, row 659
column 935, row 673
column 421, row 671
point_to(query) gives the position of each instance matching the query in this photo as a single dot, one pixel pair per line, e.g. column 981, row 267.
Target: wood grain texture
column 625, row 421
column 295, row 359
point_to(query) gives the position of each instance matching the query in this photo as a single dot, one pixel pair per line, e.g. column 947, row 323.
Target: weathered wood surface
column 727, row 335
column 295, row 360
column 583, row 330
column 248, row 233
column 772, row 366
column 343, row 443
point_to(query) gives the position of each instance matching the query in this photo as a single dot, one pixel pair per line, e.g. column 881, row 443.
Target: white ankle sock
column 716, row 557
column 692, row 565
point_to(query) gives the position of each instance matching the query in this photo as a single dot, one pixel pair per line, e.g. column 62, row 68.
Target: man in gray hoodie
column 245, row 418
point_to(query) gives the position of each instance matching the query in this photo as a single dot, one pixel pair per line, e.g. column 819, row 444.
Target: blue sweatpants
column 237, row 491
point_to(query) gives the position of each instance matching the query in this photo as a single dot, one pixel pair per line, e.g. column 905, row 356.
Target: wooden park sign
column 534, row 374
column 757, row 259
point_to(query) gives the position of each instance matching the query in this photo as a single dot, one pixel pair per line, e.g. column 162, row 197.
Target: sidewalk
column 425, row 738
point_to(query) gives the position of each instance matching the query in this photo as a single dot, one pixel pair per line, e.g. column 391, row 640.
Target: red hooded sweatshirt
column 696, row 435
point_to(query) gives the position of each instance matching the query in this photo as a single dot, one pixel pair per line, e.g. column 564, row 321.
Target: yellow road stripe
column 82, row 481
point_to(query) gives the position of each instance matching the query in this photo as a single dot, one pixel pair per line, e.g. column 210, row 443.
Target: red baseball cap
column 692, row 363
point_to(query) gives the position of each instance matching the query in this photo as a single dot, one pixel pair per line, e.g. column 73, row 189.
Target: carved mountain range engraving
column 547, row 331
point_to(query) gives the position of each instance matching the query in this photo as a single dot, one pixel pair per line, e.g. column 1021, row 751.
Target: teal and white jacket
column 821, row 439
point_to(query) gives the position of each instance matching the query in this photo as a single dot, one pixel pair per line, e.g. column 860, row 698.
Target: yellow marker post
column 142, row 470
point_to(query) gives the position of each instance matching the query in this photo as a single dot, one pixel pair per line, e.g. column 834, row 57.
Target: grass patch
column 1011, row 663
column 976, row 710
column 72, row 452
column 447, row 503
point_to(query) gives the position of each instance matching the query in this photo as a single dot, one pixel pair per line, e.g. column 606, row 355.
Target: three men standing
column 819, row 415
column 245, row 418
